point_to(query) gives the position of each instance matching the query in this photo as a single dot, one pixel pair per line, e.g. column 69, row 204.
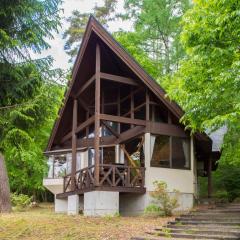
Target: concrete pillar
column 73, row 205
column 101, row 203
column 60, row 205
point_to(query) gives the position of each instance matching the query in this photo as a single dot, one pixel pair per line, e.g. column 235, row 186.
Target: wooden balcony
column 119, row 178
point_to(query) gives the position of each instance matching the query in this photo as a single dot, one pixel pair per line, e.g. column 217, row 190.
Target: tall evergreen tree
column 78, row 22
column 24, row 27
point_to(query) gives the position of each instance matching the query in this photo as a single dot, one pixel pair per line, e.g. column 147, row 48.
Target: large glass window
column 180, row 153
column 171, row 152
column 161, row 151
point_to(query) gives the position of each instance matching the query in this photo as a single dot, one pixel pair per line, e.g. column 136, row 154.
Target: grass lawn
column 43, row 223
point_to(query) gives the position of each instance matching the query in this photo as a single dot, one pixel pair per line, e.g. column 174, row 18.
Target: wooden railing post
column 64, row 183
column 128, row 177
column 114, row 175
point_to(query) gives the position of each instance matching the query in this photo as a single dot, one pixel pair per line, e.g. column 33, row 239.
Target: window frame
column 171, row 153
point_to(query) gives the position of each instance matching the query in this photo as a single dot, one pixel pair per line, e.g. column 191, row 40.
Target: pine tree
column 78, row 22
column 24, row 26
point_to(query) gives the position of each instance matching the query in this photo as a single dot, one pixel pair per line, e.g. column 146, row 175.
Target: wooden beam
column 119, row 110
column 104, row 141
column 74, row 145
column 147, row 106
column 122, row 119
column 86, row 85
column 132, row 107
column 135, row 109
column 153, row 103
column 130, row 134
column 91, row 112
column 79, row 128
column 116, row 134
column 169, row 117
column 97, row 114
column 166, row 129
column 129, row 95
column 87, row 128
column 85, row 124
column 119, row 79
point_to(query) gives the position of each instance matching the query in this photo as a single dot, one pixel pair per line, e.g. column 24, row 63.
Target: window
column 161, row 151
column 170, row 152
column 180, row 153
column 107, row 155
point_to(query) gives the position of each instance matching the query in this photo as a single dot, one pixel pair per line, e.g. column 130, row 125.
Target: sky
column 57, row 44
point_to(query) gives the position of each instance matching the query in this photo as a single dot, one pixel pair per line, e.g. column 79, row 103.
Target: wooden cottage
column 116, row 134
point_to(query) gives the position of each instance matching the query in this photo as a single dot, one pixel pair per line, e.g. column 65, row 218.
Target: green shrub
column 225, row 183
column 163, row 203
column 20, row 201
column 221, row 196
column 153, row 210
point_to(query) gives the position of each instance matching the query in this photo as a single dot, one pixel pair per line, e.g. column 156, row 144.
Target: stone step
column 213, row 232
column 213, row 218
column 217, row 214
column 210, row 216
column 224, row 210
column 237, row 205
column 228, row 208
column 193, row 236
column 205, row 227
column 192, row 222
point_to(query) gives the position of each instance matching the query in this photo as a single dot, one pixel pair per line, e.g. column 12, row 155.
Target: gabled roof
column 94, row 27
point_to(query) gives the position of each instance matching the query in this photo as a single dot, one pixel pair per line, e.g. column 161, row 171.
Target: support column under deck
column 101, row 203
column 73, row 204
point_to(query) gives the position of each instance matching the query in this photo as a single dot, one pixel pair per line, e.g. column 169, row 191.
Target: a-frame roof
column 96, row 29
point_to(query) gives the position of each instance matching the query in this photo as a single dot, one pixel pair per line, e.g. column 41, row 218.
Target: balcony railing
column 110, row 176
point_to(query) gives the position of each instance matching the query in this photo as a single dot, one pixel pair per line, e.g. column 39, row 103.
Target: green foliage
column 29, row 98
column 153, row 210
column 207, row 84
column 25, row 130
column 226, row 183
column 20, row 201
column 164, row 203
column 26, row 25
column 131, row 41
column 156, row 24
column 78, row 22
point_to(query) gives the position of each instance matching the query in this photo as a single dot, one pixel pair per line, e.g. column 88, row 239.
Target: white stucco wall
column 54, row 185
column 101, row 203
column 60, row 205
column 73, row 204
column 181, row 180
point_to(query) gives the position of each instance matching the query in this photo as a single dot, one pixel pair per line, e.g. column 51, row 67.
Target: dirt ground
column 43, row 223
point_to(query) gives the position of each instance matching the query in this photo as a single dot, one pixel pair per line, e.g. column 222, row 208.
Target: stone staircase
column 219, row 222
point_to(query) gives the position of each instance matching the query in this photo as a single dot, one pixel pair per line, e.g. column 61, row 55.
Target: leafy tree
column 78, row 22
column 26, row 130
column 207, row 84
column 156, row 22
column 24, row 27
column 131, row 41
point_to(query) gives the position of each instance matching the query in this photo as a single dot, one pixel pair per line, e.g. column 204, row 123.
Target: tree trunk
column 5, row 203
